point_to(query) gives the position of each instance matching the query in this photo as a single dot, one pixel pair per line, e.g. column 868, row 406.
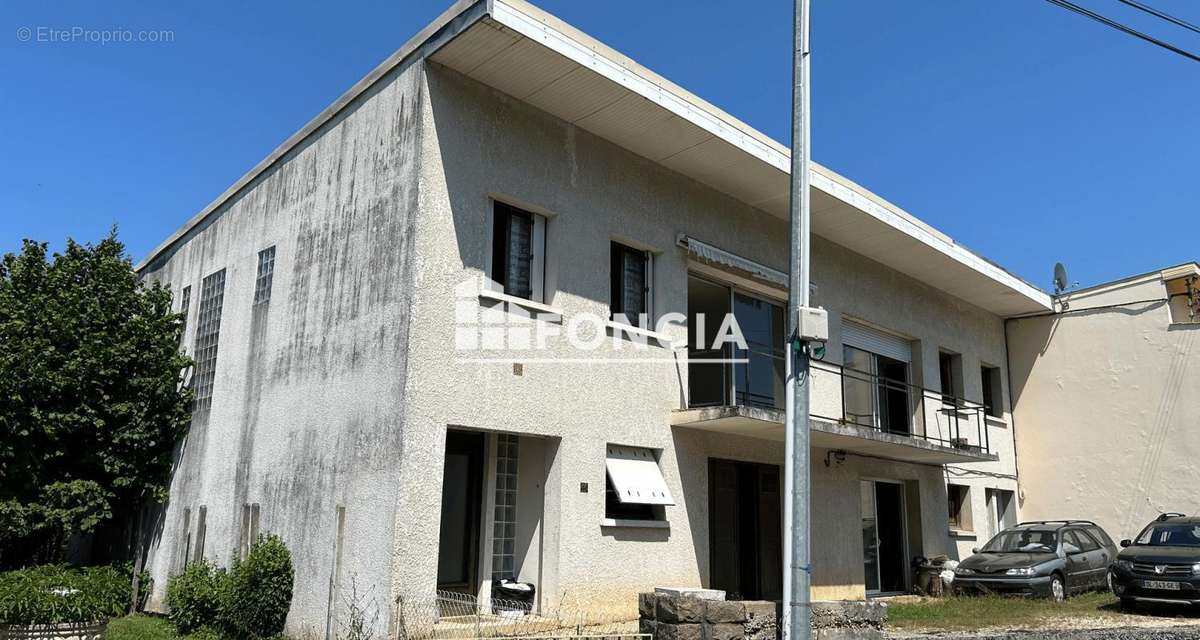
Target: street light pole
column 797, row 480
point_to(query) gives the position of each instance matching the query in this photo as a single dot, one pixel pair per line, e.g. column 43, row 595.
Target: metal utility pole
column 797, row 480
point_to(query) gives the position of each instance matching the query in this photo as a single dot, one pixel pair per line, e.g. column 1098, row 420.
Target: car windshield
column 1171, row 535
column 1022, row 541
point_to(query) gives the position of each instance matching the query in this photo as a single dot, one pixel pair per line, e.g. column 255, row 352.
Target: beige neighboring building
column 1106, row 393
column 352, row 399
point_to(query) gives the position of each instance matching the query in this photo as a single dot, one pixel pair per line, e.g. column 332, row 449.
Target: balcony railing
column 845, row 395
column 848, row 396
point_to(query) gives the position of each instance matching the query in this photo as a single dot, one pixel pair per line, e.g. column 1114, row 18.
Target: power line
column 1120, row 27
column 1161, row 14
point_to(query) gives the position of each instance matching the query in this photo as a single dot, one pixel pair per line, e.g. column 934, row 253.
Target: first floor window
column 990, row 377
column 518, row 251
column 630, row 271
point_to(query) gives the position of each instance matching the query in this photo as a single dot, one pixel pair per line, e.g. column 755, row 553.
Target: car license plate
column 1160, row 584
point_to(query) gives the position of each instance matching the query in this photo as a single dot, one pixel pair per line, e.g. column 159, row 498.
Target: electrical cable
column 1070, row 6
column 1161, row 14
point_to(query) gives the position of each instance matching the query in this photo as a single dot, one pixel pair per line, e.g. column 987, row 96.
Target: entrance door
column 885, row 550
column 462, row 492
column 745, row 530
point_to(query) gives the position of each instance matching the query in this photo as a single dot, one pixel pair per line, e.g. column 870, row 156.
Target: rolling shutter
column 876, row 341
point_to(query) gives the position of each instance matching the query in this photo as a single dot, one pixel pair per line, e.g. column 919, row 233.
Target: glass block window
column 185, row 305
column 266, row 273
column 504, row 532
column 208, row 333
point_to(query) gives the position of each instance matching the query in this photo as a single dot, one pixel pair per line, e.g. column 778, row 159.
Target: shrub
column 194, row 596
column 258, row 594
column 53, row 594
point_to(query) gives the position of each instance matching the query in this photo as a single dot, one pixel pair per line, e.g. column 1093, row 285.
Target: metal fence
column 457, row 616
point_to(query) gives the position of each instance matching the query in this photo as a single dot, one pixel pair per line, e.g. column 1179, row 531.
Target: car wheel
column 1128, row 604
column 1058, row 589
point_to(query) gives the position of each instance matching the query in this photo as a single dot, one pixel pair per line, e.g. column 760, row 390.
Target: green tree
column 91, row 394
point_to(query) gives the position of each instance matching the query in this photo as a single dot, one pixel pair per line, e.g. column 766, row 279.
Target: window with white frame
column 518, row 251
column 636, row 489
column 630, row 276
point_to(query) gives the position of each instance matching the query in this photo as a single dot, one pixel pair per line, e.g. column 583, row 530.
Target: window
column 1000, row 510
column 630, row 285
column 950, row 372
column 201, row 531
column 960, row 506
column 990, row 377
column 1080, row 539
column 636, row 489
column 185, row 305
column 518, row 252
column 504, row 531
column 208, row 334
column 250, row 514
column 266, row 273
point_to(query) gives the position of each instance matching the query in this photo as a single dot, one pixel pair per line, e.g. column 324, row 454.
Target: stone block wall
column 666, row 616
column 675, row 617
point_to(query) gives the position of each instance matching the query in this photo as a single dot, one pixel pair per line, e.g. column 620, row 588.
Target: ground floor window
column 635, row 489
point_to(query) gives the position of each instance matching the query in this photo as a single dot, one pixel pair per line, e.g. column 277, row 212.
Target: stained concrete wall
column 1105, row 404
column 480, row 144
column 307, row 406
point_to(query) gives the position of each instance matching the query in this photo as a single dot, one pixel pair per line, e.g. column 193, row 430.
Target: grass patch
column 138, row 627
column 969, row 613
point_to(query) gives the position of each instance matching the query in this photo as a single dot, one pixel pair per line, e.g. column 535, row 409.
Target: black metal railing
column 901, row 408
column 866, row 400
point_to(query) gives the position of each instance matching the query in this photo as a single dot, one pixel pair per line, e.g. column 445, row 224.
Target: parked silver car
column 1050, row 558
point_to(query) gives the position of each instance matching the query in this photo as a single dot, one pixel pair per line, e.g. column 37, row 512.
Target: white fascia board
column 539, row 26
column 533, row 23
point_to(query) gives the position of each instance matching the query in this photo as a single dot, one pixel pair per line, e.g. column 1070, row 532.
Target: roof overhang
column 533, row 56
column 767, row 424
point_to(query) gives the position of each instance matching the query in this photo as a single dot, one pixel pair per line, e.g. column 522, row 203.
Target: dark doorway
column 884, row 539
column 462, row 492
column 745, row 530
column 893, row 396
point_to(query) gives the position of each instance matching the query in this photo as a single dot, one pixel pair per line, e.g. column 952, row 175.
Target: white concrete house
column 349, row 398
column 1105, row 391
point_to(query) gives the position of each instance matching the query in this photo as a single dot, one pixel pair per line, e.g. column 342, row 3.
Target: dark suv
column 1161, row 565
column 1050, row 558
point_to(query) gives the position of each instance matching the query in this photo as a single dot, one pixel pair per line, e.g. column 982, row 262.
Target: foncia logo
column 490, row 326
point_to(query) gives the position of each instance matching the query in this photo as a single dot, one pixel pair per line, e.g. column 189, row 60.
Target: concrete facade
column 333, row 401
column 1108, row 383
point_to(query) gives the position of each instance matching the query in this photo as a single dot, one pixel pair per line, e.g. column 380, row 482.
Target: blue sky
column 1027, row 133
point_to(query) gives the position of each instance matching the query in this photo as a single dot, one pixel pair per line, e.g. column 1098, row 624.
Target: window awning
column 713, row 255
column 636, row 477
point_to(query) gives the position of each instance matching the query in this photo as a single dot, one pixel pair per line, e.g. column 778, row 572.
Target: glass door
column 870, row 537
column 884, row 531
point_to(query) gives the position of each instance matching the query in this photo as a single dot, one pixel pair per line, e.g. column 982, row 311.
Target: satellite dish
column 1060, row 278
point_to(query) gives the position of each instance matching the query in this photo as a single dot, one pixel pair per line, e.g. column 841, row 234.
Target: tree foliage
column 91, row 401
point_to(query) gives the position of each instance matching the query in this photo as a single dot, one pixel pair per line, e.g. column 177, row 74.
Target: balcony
column 740, row 392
